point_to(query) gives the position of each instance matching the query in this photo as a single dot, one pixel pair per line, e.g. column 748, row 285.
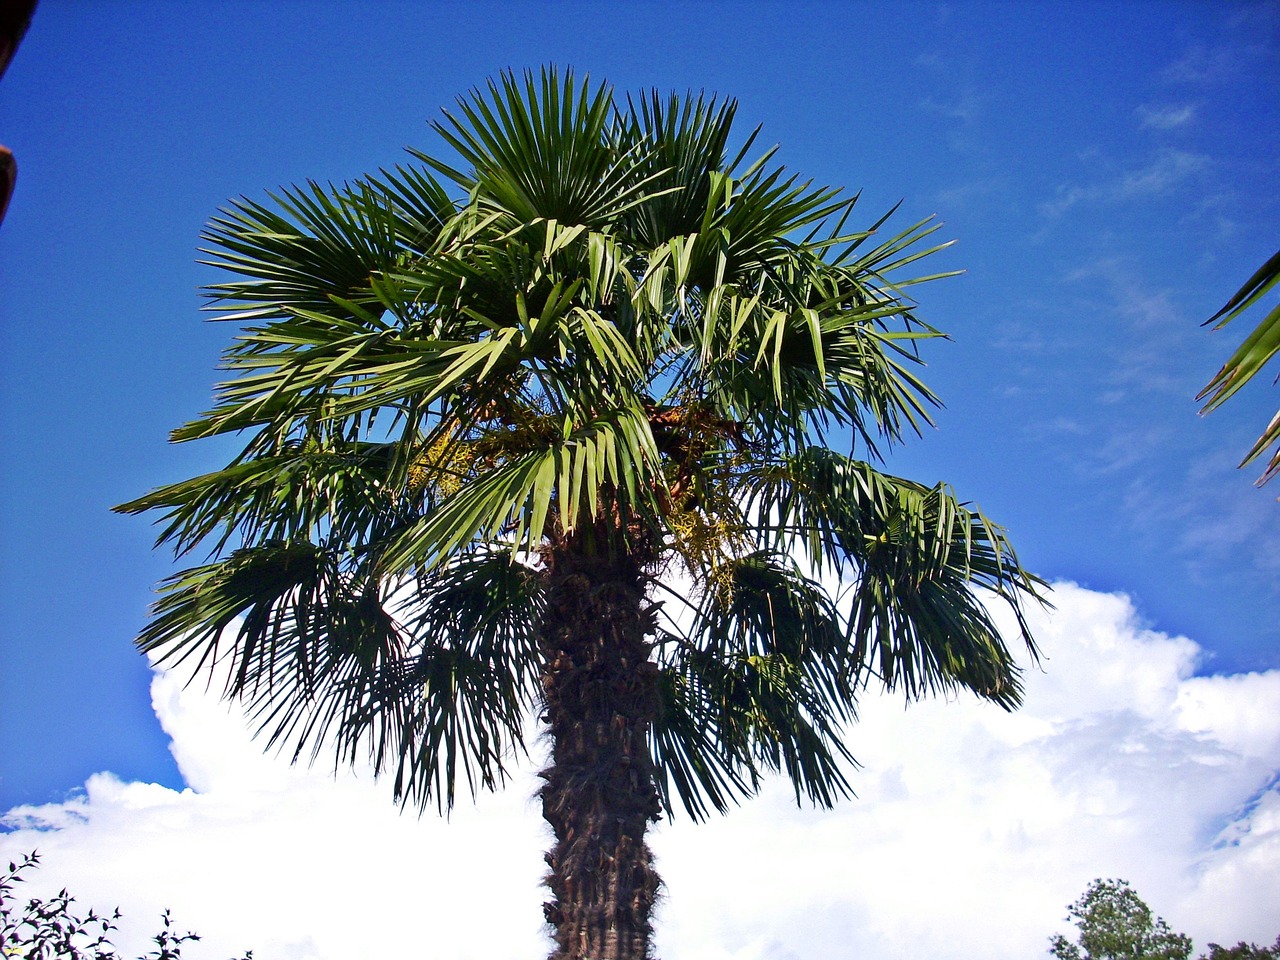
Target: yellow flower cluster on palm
column 442, row 466
column 705, row 531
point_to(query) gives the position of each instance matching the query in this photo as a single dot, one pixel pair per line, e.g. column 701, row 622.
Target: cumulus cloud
column 291, row 863
column 972, row 831
column 975, row 828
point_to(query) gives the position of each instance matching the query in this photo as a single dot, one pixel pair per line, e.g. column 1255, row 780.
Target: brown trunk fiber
column 599, row 796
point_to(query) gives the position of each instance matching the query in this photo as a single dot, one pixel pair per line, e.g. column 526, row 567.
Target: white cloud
column 288, row 862
column 972, row 831
column 1166, row 117
column 1221, row 63
column 1147, row 350
column 1168, row 169
column 965, row 107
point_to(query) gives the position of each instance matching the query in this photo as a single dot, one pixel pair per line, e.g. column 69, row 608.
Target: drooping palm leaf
column 916, row 555
column 459, row 702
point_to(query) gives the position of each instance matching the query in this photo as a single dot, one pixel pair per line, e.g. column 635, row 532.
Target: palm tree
column 549, row 432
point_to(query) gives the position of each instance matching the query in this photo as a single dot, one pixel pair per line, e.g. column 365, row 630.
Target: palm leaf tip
column 1255, row 352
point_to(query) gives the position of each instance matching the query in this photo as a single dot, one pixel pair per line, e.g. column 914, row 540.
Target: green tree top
column 1115, row 924
column 1243, row 951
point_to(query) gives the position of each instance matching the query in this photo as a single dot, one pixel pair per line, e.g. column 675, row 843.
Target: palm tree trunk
column 601, row 696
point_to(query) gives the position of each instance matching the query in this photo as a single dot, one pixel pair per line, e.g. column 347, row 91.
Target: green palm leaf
column 758, row 683
column 917, row 555
column 1251, row 356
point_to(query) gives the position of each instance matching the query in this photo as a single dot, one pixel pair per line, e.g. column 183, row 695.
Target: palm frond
column 679, row 144
column 724, row 724
column 274, row 595
column 759, row 682
column 918, row 558
column 322, row 245
column 456, row 707
column 431, row 682
column 299, row 491
column 1251, row 356
column 562, row 481
column 539, row 150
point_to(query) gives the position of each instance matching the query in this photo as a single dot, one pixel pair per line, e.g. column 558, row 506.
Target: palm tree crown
column 553, row 429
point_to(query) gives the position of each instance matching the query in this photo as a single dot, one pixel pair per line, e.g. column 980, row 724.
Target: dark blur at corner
column 15, row 17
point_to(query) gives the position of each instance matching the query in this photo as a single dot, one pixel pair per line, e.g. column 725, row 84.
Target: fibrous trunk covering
column 601, row 696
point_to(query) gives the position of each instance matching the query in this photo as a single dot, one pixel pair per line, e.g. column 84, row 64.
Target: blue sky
column 1109, row 170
